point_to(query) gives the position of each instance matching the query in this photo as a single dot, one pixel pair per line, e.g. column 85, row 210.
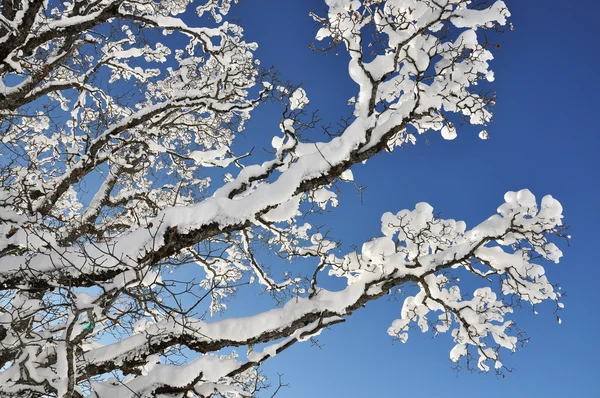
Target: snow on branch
column 119, row 237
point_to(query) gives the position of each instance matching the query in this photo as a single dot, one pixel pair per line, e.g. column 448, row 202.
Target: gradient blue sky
column 544, row 137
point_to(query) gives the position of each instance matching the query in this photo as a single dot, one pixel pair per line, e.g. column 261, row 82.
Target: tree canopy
column 128, row 215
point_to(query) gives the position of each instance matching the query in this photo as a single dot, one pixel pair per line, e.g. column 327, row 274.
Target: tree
column 117, row 118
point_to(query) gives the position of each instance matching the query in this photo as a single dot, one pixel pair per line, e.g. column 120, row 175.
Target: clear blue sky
column 544, row 137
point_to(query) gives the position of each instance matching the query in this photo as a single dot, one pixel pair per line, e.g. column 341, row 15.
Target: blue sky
column 544, row 137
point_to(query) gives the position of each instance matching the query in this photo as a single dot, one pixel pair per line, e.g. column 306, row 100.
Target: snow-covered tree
column 126, row 217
